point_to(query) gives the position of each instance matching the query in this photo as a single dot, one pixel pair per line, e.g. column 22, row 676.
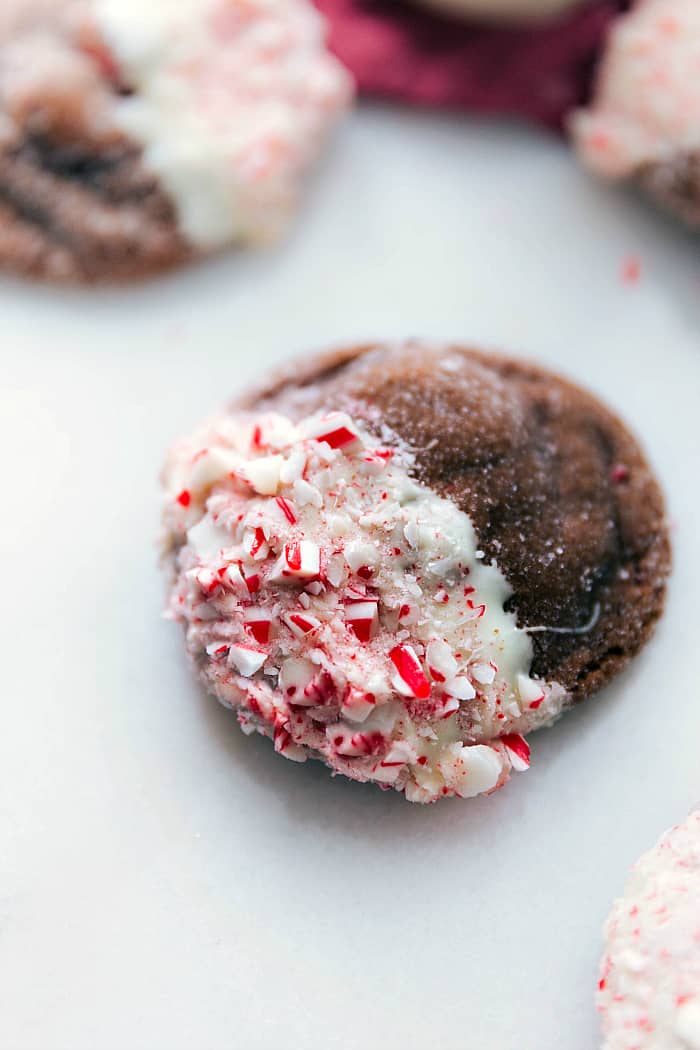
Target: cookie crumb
column 630, row 270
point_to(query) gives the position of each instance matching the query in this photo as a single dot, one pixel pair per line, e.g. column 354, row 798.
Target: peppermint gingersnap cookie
column 401, row 560
column 134, row 136
column 649, row 990
column 644, row 121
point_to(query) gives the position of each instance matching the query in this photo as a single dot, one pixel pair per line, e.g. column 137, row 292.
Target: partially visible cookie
column 400, row 559
column 649, row 990
column 503, row 10
column 644, row 121
column 675, row 185
column 134, row 136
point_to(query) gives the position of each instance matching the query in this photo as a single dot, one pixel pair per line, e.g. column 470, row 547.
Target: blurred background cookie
column 649, row 991
column 515, row 65
column 644, row 121
column 134, row 136
column 503, row 9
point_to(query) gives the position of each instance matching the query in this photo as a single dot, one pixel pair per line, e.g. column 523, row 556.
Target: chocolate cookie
column 72, row 210
column 401, row 559
column 132, row 140
column 675, row 185
column 643, row 123
column 503, row 10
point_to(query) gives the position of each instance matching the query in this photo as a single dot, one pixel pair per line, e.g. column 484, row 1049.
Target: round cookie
column 401, row 559
column 644, row 120
column 134, row 137
column 503, row 10
column 649, row 989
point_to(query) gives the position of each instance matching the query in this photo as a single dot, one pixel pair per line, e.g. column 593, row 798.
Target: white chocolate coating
column 500, row 10
column 649, row 995
column 232, row 101
column 345, row 610
column 646, row 108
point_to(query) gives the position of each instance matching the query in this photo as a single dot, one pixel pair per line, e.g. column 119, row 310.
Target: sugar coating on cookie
column 345, row 610
column 649, row 991
column 225, row 103
column 646, row 108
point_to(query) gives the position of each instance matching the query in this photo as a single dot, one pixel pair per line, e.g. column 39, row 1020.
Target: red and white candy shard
column 230, row 100
column 647, row 105
column 344, row 610
column 649, row 988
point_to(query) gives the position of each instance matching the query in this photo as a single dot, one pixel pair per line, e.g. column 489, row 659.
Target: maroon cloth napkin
column 400, row 52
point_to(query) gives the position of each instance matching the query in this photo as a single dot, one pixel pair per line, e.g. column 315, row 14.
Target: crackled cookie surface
column 403, row 559
column 649, row 994
column 644, row 121
column 133, row 136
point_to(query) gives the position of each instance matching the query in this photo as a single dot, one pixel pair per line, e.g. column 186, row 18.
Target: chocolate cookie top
column 557, row 488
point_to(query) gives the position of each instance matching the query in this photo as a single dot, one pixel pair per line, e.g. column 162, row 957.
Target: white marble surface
column 167, row 884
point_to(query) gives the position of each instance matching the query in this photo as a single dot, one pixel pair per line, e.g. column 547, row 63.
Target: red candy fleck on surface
column 207, row 580
column 630, row 270
column 282, row 738
column 518, row 751
column 450, row 704
column 322, row 689
column 362, row 618
column 300, row 624
column 354, row 594
column 339, row 438
column 253, row 583
column 185, row 498
column 369, row 743
column 256, row 544
column 217, row 651
column 410, row 671
column 258, row 623
column 292, row 554
column 619, row 473
column 98, row 51
column 286, row 508
column 301, row 559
